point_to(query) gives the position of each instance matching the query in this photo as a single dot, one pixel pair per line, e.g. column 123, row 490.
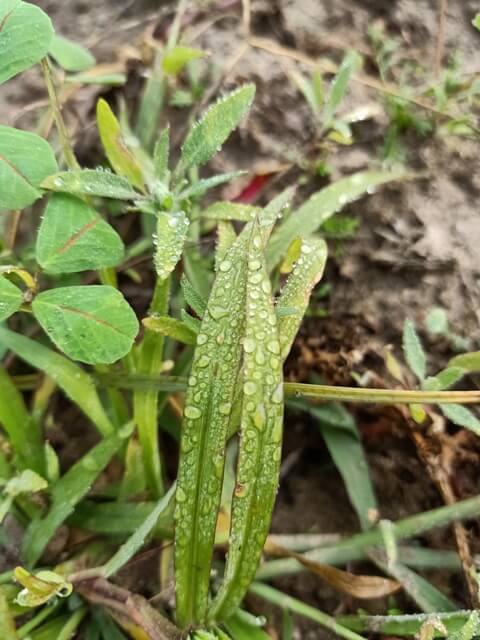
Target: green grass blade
column 145, row 401
column 306, row 273
column 230, row 211
column 137, row 540
column 77, row 384
column 260, row 439
column 320, row 206
column 23, row 432
column 67, row 492
column 208, row 404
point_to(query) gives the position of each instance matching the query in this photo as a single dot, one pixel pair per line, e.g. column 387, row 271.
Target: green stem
column 323, row 393
column 356, row 546
column 145, row 401
column 297, row 606
column 68, row 152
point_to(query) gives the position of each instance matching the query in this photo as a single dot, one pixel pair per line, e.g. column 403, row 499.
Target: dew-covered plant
column 206, row 367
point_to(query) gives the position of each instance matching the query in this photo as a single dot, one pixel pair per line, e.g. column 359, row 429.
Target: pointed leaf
column 320, row 206
column 174, row 60
column 73, row 237
column 70, row 55
column 461, row 416
column 468, row 361
column 350, row 63
column 91, row 182
column 69, row 490
column 25, row 36
column 413, row 350
column 170, row 237
column 207, row 136
column 76, row 383
column 11, row 298
column 444, row 380
column 261, row 435
column 25, row 161
column 307, row 271
column 202, row 186
column 92, row 324
column 192, row 297
column 119, row 155
column 171, row 327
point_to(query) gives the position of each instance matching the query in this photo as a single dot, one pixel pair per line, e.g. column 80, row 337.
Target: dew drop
column 202, row 338
column 203, row 362
column 249, row 388
column 225, row 408
column 180, row 495
column 254, row 265
column 225, row 265
column 277, row 395
column 249, row 345
column 273, row 346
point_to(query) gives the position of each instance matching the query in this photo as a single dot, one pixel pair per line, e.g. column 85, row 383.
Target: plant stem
column 323, row 393
column 356, row 546
column 297, row 606
column 68, row 152
column 68, row 629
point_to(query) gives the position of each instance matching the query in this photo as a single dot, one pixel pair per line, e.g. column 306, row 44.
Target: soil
column 417, row 244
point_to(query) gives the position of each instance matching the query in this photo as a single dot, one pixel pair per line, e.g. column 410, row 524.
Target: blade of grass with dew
column 356, row 546
column 405, row 625
column 24, row 433
column 137, row 540
column 74, row 381
column 91, row 182
column 171, row 327
column 169, row 239
column 320, row 206
column 226, row 236
column 207, row 409
column 207, row 136
column 68, row 491
column 306, row 273
column 230, row 211
column 145, row 401
column 260, row 438
column 300, row 608
column 192, row 297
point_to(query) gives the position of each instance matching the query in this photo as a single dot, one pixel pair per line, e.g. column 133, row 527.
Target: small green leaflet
column 174, row 60
column 201, row 186
column 11, row 298
column 171, row 327
column 69, row 490
column 73, row 237
column 91, row 182
column 92, row 324
column 169, row 240
column 230, row 211
column 119, row 155
column 25, row 161
column 70, row 55
column 350, row 63
column 468, row 361
column 413, row 350
column 461, row 416
column 25, row 36
column 444, row 379
column 207, row 136
column 320, row 206
column 476, row 21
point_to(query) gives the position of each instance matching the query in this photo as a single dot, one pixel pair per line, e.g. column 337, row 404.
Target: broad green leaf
column 137, row 540
column 208, row 404
column 207, row 136
column 307, row 271
column 73, row 237
column 350, row 63
column 119, row 155
column 70, row 55
column 468, row 361
column 169, row 240
column 25, row 36
column 170, row 327
column 23, row 432
column 230, row 211
column 11, row 298
column 260, row 436
column 201, row 186
column 161, row 155
column 68, row 491
column 174, row 60
column 91, row 182
column 25, row 161
column 461, row 416
column 413, row 350
column 92, row 324
column 75, row 382
column 444, row 380
column 320, row 206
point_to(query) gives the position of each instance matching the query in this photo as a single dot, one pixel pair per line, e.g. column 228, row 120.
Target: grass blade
column 260, row 439
column 208, row 404
column 67, row 491
column 77, row 384
column 320, row 206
